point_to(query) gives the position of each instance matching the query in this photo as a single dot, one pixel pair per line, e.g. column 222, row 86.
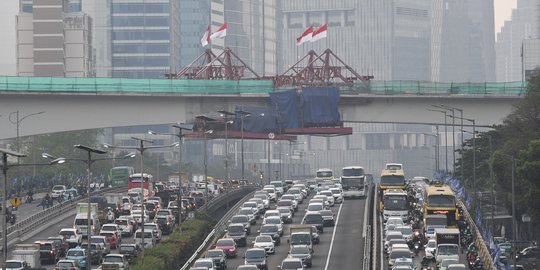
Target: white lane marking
column 332, row 241
column 366, row 210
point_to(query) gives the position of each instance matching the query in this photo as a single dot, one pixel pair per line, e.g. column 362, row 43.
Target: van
column 81, row 223
column 149, row 239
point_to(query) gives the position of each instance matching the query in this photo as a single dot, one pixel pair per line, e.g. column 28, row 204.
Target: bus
column 324, row 174
column 395, row 204
column 135, row 181
column 441, row 200
column 353, row 182
column 394, row 166
column 392, row 179
column 119, row 176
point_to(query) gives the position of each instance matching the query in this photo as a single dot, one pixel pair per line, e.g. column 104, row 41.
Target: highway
column 340, row 247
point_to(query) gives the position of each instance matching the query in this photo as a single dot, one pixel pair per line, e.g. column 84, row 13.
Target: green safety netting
column 149, row 86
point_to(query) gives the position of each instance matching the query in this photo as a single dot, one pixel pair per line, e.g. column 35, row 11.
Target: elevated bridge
column 85, row 103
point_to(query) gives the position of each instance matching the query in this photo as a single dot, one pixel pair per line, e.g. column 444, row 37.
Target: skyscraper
column 52, row 41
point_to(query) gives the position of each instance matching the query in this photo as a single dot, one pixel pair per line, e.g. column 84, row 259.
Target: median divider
column 483, row 250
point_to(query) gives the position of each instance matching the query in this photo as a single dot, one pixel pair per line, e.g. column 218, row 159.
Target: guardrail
column 219, row 227
column 368, row 235
column 478, row 239
column 377, row 241
column 31, row 223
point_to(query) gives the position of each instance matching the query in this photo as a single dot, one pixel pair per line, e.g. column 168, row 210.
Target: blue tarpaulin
column 286, row 104
column 261, row 119
column 319, row 106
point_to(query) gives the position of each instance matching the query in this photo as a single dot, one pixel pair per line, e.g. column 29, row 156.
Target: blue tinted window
column 140, row 8
column 140, row 48
column 139, row 35
column 137, row 61
column 139, row 74
column 27, row 8
column 140, row 21
column 74, row 7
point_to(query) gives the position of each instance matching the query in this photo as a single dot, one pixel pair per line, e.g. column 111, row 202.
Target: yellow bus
column 441, row 200
column 394, row 179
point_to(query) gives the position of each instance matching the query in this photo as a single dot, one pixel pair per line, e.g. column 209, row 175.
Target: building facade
column 51, row 41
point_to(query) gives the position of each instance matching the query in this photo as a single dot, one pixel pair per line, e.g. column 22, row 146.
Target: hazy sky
column 9, row 8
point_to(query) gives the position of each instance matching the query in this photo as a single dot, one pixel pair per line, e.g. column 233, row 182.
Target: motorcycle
column 425, row 264
column 29, row 199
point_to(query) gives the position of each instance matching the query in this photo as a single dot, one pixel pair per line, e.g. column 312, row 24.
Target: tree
column 528, row 169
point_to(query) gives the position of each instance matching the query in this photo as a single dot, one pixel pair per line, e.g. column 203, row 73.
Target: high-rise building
column 386, row 39
column 51, row 41
column 194, row 20
column 523, row 25
column 531, row 57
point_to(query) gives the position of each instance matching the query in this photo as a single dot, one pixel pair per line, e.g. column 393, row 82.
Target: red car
column 112, row 238
column 228, row 245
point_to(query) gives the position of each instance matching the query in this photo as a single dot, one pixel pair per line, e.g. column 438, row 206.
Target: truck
column 447, row 244
column 26, row 255
column 304, row 235
column 102, row 212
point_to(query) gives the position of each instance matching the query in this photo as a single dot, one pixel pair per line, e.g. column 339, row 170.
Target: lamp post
column 141, row 148
column 436, row 136
column 205, row 119
column 243, row 115
column 225, row 115
column 474, row 152
column 514, row 225
column 180, row 127
column 461, row 124
column 445, row 137
column 14, row 119
column 453, row 135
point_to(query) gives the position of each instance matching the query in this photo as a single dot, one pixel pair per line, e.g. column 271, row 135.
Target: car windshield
column 261, row 196
column 447, row 250
column 293, row 191
column 315, row 207
column 288, row 197
column 127, row 248
column 255, row 254
column 235, row 229
column 268, row 229
column 284, row 210
column 325, row 213
column 205, row 264
column 405, row 230
column 113, row 259
column 239, row 219
column 122, row 222
column 447, row 262
column 96, row 240
column 273, row 221
column 313, row 219
column 106, row 234
column 67, row 233
column 108, row 228
column 263, row 238
column 46, row 246
column 400, row 253
column 63, row 264
column 14, row 265
column 245, row 212
column 299, row 250
column 284, row 203
column 214, row 253
column 291, row 265
column 75, row 253
column 225, row 243
column 432, row 244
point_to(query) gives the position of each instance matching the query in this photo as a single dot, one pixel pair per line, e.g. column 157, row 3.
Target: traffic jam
column 284, row 220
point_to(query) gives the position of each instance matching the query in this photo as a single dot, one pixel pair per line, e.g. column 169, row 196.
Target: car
column 250, row 212
column 60, row 243
column 274, row 220
column 272, row 194
column 398, row 253
column 270, row 213
column 130, row 251
column 219, row 257
column 247, row 267
column 457, row 266
column 315, row 207
column 266, row 242
column 338, row 194
column 125, row 226
column 101, row 240
column 446, row 262
column 111, row 227
column 287, row 203
column 257, row 210
column 138, row 215
column 167, row 213
column 155, row 230
column 404, row 264
column 47, row 251
column 328, row 218
column 256, row 256
column 96, row 253
column 271, row 230
column 165, row 224
column 58, row 191
column 406, row 231
column 264, row 198
column 228, row 245
column 260, row 204
column 112, row 238
column 237, row 231
column 244, row 220
column 301, row 252
column 118, row 259
column 431, row 248
column 396, row 221
column 205, row 262
column 285, row 213
column 73, row 236
column 292, row 198
column 78, row 255
column 17, row 265
column 393, row 242
column 66, row 265
column 291, row 264
column 392, row 235
column 314, row 218
column 131, row 220
column 329, row 195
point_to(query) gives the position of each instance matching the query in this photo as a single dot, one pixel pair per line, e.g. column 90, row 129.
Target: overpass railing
column 29, row 226
column 203, row 87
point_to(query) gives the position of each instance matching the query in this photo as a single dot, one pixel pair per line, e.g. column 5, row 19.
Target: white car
column 329, row 195
column 431, row 248
column 137, row 214
column 274, row 220
column 73, row 236
column 338, row 194
column 117, row 259
column 58, row 191
column 266, row 242
column 155, row 229
column 205, row 263
column 111, row 227
column 264, row 199
column 125, row 226
column 327, row 202
column 315, row 207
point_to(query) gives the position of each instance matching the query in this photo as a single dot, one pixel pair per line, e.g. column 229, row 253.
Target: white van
column 81, row 223
column 279, row 187
column 149, row 239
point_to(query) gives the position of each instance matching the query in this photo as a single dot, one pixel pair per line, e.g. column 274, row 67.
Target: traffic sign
column 271, row 136
column 15, row 202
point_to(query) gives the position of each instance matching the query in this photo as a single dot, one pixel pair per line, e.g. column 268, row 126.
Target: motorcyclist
column 30, row 196
column 48, row 200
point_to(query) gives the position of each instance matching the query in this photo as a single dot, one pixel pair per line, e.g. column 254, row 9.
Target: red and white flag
column 205, row 40
column 221, row 32
column 305, row 37
column 319, row 33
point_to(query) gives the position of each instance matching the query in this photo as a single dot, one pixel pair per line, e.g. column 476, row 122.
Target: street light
column 14, row 119
column 461, row 118
column 141, row 150
column 445, row 137
column 474, row 152
column 243, row 115
column 205, row 119
column 453, row 135
column 180, row 127
column 514, row 225
column 436, row 136
column 225, row 115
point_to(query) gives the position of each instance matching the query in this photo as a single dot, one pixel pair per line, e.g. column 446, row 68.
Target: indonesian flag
column 319, row 33
column 205, row 40
column 221, row 32
column 305, row 37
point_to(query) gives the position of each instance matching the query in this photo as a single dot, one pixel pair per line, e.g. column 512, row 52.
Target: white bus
column 353, row 182
column 324, row 174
